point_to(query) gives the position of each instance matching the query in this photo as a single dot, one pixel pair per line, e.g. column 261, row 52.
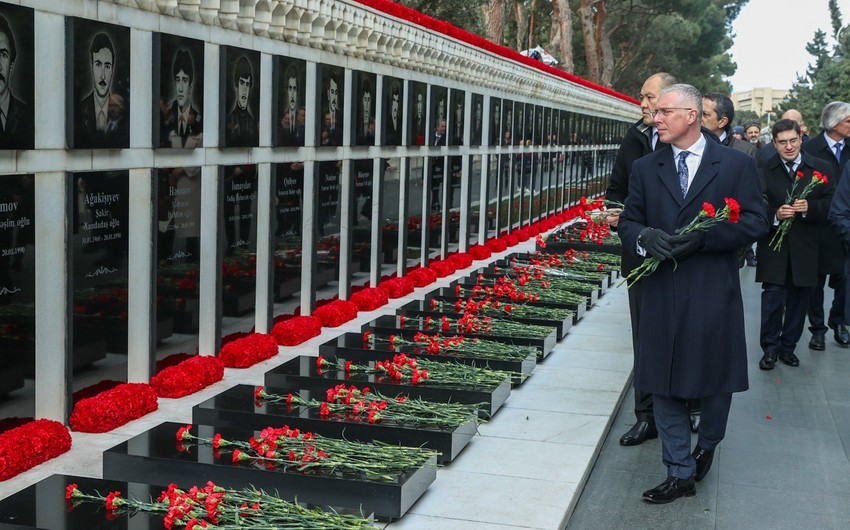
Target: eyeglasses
column 790, row 141
column 667, row 111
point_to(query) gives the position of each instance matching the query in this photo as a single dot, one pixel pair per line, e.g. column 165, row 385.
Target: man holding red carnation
column 787, row 263
column 691, row 342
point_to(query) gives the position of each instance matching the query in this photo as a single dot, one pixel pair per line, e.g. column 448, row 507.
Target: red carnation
column 248, row 351
column 296, row 330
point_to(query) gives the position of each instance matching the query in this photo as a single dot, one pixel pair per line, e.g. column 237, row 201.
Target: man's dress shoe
column 670, row 490
column 817, row 343
column 768, row 360
column 703, row 460
column 789, row 358
column 842, row 336
column 639, row 433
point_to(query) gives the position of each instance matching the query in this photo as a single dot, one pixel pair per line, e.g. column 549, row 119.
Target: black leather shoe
column 703, row 460
column 842, row 336
column 789, row 358
column 670, row 490
column 639, row 433
column 768, row 360
column 695, row 418
column 817, row 343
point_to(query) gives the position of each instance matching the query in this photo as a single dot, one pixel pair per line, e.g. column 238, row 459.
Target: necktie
column 682, row 169
column 790, row 165
column 838, row 146
column 182, row 126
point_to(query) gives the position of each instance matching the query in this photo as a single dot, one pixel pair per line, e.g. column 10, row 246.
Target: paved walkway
column 783, row 464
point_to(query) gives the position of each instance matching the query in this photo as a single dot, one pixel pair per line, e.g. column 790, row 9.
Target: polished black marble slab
column 236, row 408
column 423, row 308
column 352, row 347
column 155, row 456
column 578, row 309
column 303, row 372
column 43, row 506
column 612, row 272
column 590, row 294
column 392, row 324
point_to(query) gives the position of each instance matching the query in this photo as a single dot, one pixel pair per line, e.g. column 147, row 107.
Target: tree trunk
column 604, row 49
column 494, row 20
column 588, row 27
column 521, row 25
column 561, row 34
column 533, row 11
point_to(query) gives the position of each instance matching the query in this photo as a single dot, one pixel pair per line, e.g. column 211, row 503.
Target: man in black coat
column 831, row 147
column 789, row 273
column 640, row 140
column 691, row 342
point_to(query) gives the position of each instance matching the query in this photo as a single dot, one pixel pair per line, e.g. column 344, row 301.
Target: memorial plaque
column 99, row 110
column 99, row 262
column 508, row 135
column 17, row 288
column 415, row 213
column 177, row 259
column 540, row 136
column 518, row 123
column 363, row 125
column 477, row 203
column 457, row 105
column 17, row 70
column 240, row 95
column 361, row 225
column 433, row 223
column 439, row 113
column 331, row 112
column 492, row 201
column 391, row 201
column 418, row 113
column 290, row 92
column 179, row 98
column 392, row 110
column 496, row 129
column 477, row 119
column 288, row 222
column 239, row 212
column 328, row 221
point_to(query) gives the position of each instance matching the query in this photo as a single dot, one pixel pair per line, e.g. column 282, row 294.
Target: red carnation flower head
column 708, row 210
column 800, row 175
column 734, row 209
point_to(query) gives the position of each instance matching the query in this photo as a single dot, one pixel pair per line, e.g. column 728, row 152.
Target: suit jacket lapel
column 667, row 174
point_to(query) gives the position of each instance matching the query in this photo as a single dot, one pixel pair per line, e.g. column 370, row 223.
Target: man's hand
column 685, row 245
column 656, row 243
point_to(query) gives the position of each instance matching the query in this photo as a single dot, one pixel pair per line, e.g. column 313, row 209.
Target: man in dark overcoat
column 789, row 273
column 831, row 147
column 691, row 342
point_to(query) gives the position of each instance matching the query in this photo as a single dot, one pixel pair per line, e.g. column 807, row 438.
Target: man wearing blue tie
column 831, row 147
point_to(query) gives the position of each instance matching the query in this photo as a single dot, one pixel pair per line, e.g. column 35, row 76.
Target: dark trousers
column 836, row 311
column 672, row 417
column 783, row 315
column 643, row 400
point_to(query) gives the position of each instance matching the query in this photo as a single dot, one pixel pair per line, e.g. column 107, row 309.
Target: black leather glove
column 685, row 245
column 656, row 243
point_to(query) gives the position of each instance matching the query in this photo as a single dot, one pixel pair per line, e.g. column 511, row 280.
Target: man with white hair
column 831, row 147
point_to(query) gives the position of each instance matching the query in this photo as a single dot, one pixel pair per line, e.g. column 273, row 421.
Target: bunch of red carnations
column 480, row 252
column 31, row 444
column 187, row 377
column 422, row 276
column 370, row 298
column 397, row 287
column 442, row 267
column 113, row 408
column 248, row 351
column 336, row 313
column 461, row 260
column 296, row 330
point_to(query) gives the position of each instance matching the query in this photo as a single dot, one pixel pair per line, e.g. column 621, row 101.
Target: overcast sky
column 770, row 40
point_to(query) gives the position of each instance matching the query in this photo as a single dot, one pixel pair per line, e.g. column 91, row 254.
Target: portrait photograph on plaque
column 392, row 110
column 17, row 291
column 331, row 114
column 477, row 119
column 16, row 77
column 99, row 110
column 289, row 97
column 240, row 90
column 456, row 114
column 363, row 124
column 418, row 113
column 179, row 94
column 438, row 109
column 495, row 121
